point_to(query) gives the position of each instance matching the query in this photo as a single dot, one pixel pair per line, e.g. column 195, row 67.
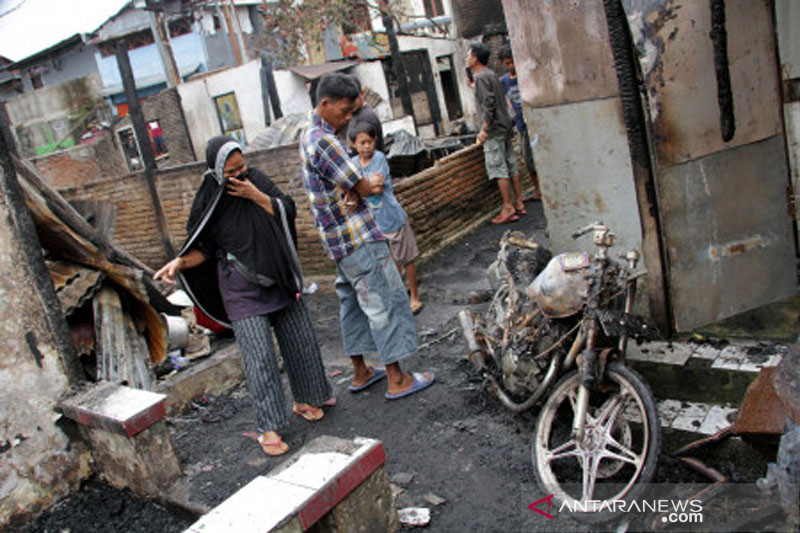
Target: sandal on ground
column 500, row 219
column 415, row 309
column 272, row 447
column 308, row 412
column 521, row 210
column 420, row 381
column 377, row 375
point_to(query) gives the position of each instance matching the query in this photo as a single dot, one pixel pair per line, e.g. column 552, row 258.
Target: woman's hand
column 190, row 259
column 244, row 188
column 168, row 272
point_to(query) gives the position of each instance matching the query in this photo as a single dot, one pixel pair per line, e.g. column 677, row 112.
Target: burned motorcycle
column 562, row 339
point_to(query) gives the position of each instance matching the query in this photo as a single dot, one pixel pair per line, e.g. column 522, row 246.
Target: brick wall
column 166, row 108
column 81, row 164
column 441, row 201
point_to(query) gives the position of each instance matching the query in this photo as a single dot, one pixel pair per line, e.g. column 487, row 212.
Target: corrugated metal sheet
column 74, row 284
column 312, row 72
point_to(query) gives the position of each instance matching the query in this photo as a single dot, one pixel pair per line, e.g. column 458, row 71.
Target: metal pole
column 139, row 128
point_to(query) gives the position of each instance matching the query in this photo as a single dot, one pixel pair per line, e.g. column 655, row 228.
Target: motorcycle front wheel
column 614, row 460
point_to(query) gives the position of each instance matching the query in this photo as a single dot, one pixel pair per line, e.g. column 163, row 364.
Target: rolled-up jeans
column 374, row 310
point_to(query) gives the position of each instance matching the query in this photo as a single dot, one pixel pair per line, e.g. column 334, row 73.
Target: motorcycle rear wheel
column 617, row 458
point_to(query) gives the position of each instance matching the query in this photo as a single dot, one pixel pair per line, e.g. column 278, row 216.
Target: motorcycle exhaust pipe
column 476, row 356
column 552, row 371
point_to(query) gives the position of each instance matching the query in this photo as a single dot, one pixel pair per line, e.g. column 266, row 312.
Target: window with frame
column 180, row 26
column 134, row 40
column 433, row 8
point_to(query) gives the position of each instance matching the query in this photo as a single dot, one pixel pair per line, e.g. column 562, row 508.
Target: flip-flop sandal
column 504, row 220
column 522, row 211
column 377, row 375
column 276, row 447
column 415, row 309
column 420, row 382
column 308, row 412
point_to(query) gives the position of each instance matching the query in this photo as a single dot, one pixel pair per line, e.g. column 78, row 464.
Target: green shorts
column 499, row 156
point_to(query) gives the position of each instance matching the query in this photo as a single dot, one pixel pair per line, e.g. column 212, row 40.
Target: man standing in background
column 496, row 134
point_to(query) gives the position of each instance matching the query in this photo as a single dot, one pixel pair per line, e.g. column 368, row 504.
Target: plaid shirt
column 327, row 173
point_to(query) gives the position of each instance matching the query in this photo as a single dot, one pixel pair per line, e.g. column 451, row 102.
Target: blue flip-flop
column 377, row 375
column 420, row 383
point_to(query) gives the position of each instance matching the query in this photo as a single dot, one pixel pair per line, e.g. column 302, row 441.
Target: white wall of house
column 371, row 75
column 292, row 92
column 197, row 98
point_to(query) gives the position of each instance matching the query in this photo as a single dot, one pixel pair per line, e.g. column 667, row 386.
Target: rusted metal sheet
column 727, row 235
column 561, row 51
column 74, row 284
column 677, row 58
column 761, row 410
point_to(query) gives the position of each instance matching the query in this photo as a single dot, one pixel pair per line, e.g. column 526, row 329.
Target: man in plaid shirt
column 374, row 310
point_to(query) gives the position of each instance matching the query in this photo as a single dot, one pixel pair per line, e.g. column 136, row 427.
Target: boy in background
column 390, row 216
column 511, row 85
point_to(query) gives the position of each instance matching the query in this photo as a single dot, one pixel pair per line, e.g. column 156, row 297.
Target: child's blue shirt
column 386, row 210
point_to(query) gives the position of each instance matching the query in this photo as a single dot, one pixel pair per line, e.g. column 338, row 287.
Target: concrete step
column 699, row 387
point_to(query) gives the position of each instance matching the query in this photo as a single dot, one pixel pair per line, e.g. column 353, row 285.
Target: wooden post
column 139, row 128
column 22, row 224
column 237, row 53
column 268, row 89
column 397, row 61
column 165, row 48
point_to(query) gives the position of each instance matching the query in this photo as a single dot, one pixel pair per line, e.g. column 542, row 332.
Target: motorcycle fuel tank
column 561, row 289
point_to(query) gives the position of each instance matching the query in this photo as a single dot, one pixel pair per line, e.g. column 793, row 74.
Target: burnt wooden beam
column 137, row 117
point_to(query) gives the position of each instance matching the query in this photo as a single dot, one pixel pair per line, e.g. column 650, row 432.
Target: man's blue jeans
column 374, row 310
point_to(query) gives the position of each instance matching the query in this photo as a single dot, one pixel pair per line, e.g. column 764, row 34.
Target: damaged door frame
column 25, row 233
column 639, row 135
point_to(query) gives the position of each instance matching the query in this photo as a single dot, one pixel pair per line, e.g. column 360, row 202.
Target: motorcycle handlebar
column 586, row 229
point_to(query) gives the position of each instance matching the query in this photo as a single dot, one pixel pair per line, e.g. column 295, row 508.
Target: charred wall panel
column 682, row 70
column 727, row 232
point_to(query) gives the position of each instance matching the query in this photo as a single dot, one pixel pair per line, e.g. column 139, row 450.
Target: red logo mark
column 533, row 507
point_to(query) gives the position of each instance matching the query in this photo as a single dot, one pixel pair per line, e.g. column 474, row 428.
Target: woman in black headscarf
column 239, row 266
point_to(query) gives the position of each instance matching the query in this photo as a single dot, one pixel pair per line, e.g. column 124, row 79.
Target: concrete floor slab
column 706, row 351
column 718, row 417
column 691, row 416
column 675, row 353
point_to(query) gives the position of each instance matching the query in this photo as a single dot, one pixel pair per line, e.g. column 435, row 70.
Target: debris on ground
column 402, row 478
column 414, row 516
column 433, row 499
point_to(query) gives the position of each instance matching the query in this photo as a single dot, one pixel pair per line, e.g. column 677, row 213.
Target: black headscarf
column 220, row 225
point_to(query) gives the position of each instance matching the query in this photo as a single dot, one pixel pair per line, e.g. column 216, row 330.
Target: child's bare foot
column 416, row 306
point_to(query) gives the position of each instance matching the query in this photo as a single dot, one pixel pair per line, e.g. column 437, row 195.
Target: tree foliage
column 294, row 30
